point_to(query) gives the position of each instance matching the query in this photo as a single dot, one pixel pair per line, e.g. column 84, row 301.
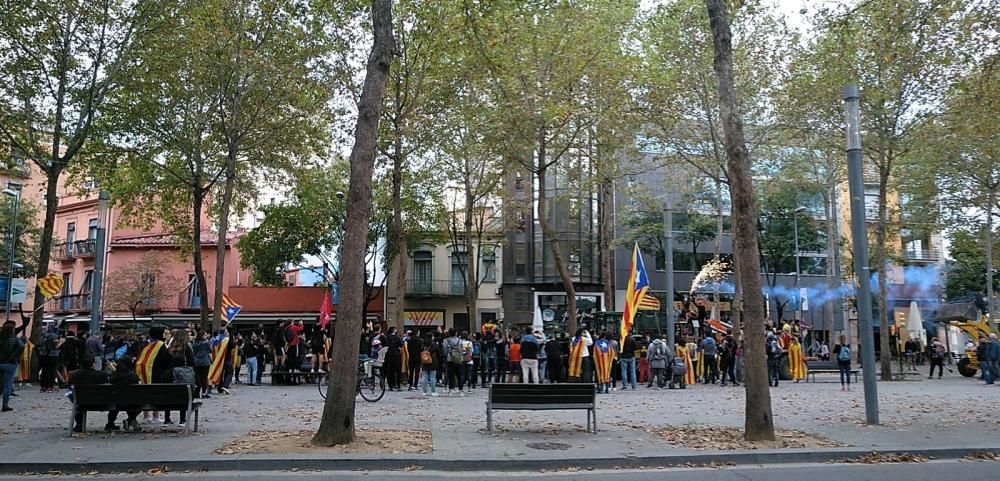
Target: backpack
column 454, row 351
column 844, row 354
column 937, row 352
column 679, row 368
column 9, row 350
column 657, row 352
column 475, row 349
column 289, row 335
column 426, row 358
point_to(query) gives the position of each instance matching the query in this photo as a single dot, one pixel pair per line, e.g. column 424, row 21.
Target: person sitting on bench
column 124, row 376
column 88, row 375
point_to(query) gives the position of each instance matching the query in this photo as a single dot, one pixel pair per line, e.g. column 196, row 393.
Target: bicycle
column 370, row 385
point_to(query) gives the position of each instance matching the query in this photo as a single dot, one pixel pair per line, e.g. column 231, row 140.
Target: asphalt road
column 932, row 471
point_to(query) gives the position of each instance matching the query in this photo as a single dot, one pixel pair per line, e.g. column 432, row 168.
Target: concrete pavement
column 955, row 413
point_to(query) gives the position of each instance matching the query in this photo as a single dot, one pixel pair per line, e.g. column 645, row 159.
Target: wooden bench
column 135, row 397
column 539, row 397
column 826, row 367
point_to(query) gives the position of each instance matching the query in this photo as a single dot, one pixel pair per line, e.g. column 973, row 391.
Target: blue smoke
column 919, row 283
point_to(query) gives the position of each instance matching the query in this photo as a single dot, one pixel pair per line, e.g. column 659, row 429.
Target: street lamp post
column 14, row 191
column 859, row 236
column 97, row 280
column 668, row 261
column 798, row 268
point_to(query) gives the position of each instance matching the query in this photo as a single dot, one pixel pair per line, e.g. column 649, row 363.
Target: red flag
column 325, row 311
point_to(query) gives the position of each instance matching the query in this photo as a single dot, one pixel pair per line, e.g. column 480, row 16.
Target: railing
column 74, row 303
column 187, row 302
column 922, row 255
column 73, row 250
column 435, row 287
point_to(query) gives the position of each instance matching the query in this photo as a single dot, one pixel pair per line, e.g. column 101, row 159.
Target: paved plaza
column 954, row 412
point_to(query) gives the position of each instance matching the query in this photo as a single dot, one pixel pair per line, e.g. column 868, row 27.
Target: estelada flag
column 144, row 365
column 218, row 362
column 576, row 350
column 230, row 308
column 638, row 284
column 603, row 359
column 50, row 285
column 325, row 311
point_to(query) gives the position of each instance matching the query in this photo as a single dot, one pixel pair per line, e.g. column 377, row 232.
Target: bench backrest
column 101, row 396
column 571, row 393
column 822, row 365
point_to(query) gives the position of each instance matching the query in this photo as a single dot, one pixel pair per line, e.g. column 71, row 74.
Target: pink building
column 75, row 251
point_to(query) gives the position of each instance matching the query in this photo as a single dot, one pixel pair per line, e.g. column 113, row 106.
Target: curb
column 711, row 459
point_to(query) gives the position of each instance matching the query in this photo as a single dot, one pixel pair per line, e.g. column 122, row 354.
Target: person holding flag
column 684, row 351
column 24, row 366
column 603, row 357
column 222, row 363
column 579, row 368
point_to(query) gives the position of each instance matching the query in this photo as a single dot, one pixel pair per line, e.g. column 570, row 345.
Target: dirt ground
column 367, row 441
column 728, row 439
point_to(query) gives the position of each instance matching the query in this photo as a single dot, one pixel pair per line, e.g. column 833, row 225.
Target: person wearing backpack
column 937, row 358
column 453, row 360
column 428, row 361
column 842, row 352
column 773, row 360
column 657, row 354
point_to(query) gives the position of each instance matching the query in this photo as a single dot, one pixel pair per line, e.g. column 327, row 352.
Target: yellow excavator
column 968, row 365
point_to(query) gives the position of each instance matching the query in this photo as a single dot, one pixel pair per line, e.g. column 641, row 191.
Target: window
column 194, row 295
column 489, row 268
column 92, row 230
column 522, row 302
column 71, row 232
column 871, row 202
column 88, row 281
column 422, row 270
column 520, row 260
column 148, row 284
column 458, row 274
column 67, row 284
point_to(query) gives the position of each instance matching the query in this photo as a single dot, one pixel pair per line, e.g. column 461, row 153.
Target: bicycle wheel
column 323, row 382
column 371, row 388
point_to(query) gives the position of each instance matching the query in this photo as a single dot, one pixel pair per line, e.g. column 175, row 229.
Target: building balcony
column 74, row 250
column 434, row 288
column 187, row 302
column 922, row 255
column 73, row 303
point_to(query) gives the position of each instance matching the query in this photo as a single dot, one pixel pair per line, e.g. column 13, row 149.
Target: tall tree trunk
column 759, row 423
column 718, row 241
column 399, row 263
column 550, row 236
column 199, row 267
column 472, row 253
column 606, row 201
column 337, row 425
column 220, row 256
column 989, row 259
column 881, row 234
column 45, row 246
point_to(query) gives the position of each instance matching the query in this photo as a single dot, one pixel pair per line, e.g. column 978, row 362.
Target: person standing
column 489, row 356
column 477, row 354
column 603, row 357
column 202, row 349
column 415, row 349
column 580, row 367
column 937, row 358
column 553, row 361
column 393, row 360
column 467, row 362
column 657, row 354
column 24, row 370
column 773, row 360
column 94, row 349
column 453, row 360
column 514, row 359
column 429, row 364
column 842, row 352
column 627, row 362
column 710, row 350
column 529, row 359
column 251, row 350
column 727, row 355
column 796, row 361
column 993, row 357
column 11, row 348
column 502, row 364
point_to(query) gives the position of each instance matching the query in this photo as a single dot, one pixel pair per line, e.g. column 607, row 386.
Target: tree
column 141, row 287
column 904, row 55
column 337, row 424
column 28, row 237
column 779, row 213
column 759, row 423
column 968, row 176
column 699, row 228
column 539, row 58
column 964, row 276
column 62, row 60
